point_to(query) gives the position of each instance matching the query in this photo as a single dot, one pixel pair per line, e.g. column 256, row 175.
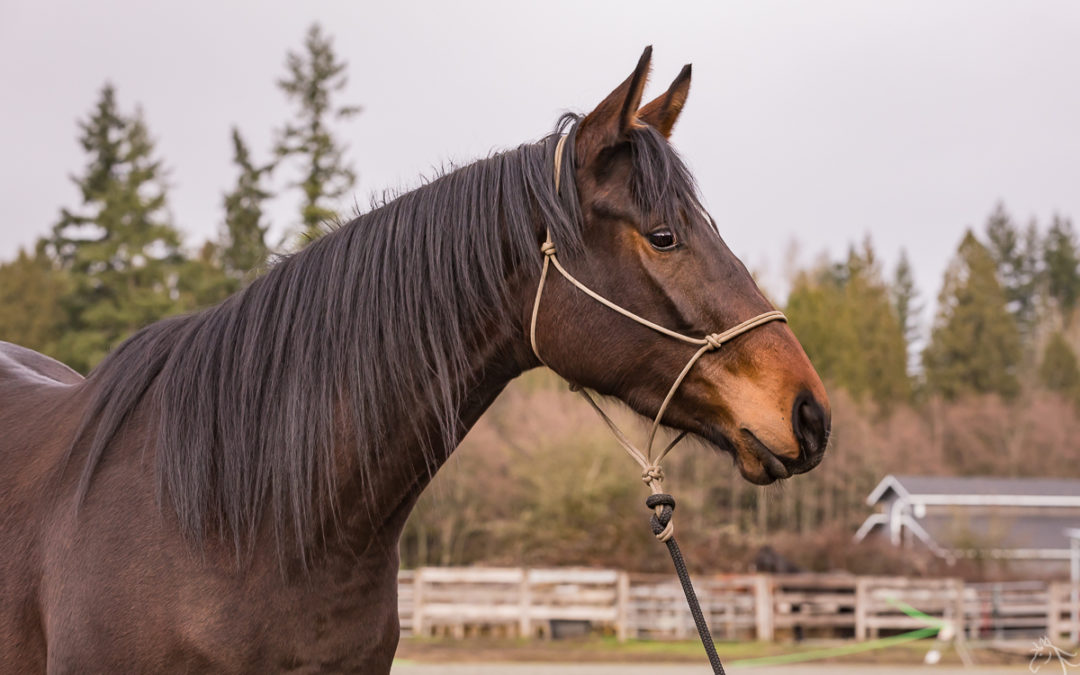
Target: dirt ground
column 606, row 657
column 685, row 669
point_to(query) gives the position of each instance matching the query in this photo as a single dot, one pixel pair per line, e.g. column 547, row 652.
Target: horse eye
column 662, row 239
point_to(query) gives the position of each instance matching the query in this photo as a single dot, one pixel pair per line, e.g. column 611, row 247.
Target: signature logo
column 1043, row 652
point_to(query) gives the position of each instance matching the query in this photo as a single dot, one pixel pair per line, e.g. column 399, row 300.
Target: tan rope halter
column 651, row 473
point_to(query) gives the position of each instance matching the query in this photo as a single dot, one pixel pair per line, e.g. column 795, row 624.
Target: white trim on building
column 907, row 501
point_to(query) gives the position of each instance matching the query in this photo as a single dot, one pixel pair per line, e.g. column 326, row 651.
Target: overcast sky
column 814, row 122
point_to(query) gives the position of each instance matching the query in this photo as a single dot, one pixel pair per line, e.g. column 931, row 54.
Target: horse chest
column 330, row 624
column 212, row 622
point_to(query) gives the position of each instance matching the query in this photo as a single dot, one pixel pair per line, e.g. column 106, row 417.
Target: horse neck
column 377, row 501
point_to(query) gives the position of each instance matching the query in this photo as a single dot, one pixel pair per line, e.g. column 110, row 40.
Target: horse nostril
column 811, row 426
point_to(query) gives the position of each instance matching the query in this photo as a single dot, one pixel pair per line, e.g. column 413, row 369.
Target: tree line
column 1004, row 323
column 990, row 386
column 115, row 262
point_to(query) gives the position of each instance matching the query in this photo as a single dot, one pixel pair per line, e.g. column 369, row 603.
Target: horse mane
column 244, row 399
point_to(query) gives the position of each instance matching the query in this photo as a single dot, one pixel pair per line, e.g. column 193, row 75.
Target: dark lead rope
column 658, row 524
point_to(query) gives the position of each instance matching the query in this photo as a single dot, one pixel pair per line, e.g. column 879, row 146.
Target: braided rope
column 661, row 521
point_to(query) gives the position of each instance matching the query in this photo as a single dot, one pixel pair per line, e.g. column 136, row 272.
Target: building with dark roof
column 1022, row 519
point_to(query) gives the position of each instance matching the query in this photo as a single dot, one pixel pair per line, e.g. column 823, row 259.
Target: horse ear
column 664, row 110
column 616, row 114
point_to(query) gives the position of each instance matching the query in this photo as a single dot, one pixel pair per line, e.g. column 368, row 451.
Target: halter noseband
column 651, row 474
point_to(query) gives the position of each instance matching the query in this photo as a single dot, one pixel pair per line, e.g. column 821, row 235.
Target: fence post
column 525, row 606
column 622, row 605
column 861, row 598
column 959, row 608
column 1074, row 613
column 418, row 602
column 763, row 607
column 1053, row 611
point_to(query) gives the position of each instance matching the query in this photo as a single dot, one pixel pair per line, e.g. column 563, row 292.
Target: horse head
column 655, row 256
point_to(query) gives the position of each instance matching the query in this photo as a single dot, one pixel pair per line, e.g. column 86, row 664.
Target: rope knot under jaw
column 652, row 473
column 714, row 341
column 548, row 248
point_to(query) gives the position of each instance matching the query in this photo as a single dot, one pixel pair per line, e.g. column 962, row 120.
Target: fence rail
column 513, row 601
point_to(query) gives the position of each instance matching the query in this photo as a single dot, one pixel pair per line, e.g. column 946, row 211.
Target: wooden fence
column 512, row 601
column 1064, row 612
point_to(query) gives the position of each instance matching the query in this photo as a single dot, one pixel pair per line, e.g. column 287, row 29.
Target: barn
column 1019, row 519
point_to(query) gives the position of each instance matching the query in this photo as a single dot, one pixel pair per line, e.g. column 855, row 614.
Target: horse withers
column 226, row 490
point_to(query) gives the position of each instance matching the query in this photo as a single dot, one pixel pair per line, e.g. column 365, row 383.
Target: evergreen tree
column 905, row 298
column 314, row 77
column 30, row 291
column 1027, row 294
column 975, row 345
column 845, row 320
column 202, row 280
column 813, row 307
column 119, row 247
column 1061, row 259
column 220, row 268
column 244, row 248
column 1059, row 370
column 1016, row 256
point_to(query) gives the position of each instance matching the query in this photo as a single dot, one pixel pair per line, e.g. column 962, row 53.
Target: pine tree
column 879, row 334
column 1062, row 260
column 1059, row 370
column 975, row 345
column 243, row 247
column 813, row 307
column 1026, row 293
column 221, row 267
column 202, row 280
column 313, row 78
column 1016, row 255
column 906, row 302
column 844, row 318
column 119, row 247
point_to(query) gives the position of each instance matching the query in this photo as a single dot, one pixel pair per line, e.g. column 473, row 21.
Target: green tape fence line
column 914, row 613
column 844, row 650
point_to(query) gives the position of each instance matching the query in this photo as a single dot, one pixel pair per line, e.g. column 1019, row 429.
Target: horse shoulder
column 41, row 404
column 39, row 407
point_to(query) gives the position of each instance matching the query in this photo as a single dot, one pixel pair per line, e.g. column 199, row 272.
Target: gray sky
column 815, row 122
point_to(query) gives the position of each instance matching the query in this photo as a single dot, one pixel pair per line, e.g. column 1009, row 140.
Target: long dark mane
column 371, row 320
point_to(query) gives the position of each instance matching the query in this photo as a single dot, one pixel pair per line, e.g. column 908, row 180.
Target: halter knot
column 662, row 505
column 548, row 248
column 652, row 473
column 714, row 341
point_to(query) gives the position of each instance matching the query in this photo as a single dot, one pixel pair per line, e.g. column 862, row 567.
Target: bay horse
column 226, row 490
